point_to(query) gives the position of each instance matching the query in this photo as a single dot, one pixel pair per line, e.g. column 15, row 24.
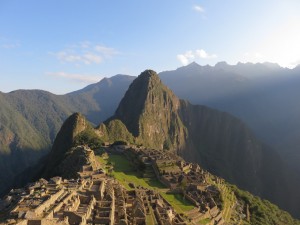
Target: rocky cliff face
column 150, row 112
column 216, row 140
column 31, row 119
column 74, row 125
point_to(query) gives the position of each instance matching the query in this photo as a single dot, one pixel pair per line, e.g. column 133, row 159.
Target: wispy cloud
column 189, row 56
column 107, row 52
column 202, row 54
column 9, row 44
column 253, row 57
column 85, row 53
column 82, row 78
column 186, row 57
column 199, row 8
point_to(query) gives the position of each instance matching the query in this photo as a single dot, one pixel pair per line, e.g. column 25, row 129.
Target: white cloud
column 107, row 52
column 189, row 56
column 281, row 45
column 186, row 57
column 85, row 53
column 65, row 56
column 183, row 59
column 294, row 63
column 202, row 54
column 82, row 78
column 254, row 57
column 91, row 58
column 199, row 8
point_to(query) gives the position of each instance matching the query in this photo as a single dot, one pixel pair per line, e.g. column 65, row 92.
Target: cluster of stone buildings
column 92, row 198
column 96, row 198
column 184, row 178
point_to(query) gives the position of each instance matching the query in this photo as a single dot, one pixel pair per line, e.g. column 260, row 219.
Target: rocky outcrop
column 150, row 112
column 64, row 142
column 31, row 119
column 219, row 142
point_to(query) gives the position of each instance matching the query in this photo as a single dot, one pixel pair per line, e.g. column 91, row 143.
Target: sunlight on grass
column 178, row 202
column 125, row 173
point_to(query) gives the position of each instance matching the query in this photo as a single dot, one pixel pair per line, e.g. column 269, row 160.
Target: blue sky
column 64, row 45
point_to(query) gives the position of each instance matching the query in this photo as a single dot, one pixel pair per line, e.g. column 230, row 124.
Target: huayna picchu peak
column 157, row 160
column 150, row 112
column 220, row 142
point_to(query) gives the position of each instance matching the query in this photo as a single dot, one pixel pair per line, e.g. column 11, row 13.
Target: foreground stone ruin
column 97, row 198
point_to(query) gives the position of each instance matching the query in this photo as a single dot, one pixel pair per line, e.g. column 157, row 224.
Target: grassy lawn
column 125, row 174
column 101, row 160
column 204, row 221
column 150, row 218
column 178, row 202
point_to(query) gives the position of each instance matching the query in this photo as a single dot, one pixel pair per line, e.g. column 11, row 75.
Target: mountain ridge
column 31, row 119
column 96, row 119
column 224, row 140
column 218, row 141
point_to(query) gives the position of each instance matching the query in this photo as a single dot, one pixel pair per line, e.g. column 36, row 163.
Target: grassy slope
column 125, row 174
column 30, row 120
column 261, row 212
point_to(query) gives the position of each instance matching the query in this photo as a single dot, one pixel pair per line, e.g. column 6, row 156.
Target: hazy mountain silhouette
column 218, row 141
column 30, row 120
column 263, row 95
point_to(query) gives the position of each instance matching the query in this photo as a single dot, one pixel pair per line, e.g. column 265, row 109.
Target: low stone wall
column 39, row 210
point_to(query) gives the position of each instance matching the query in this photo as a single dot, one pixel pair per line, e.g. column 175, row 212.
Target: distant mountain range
column 151, row 115
column 262, row 95
column 30, row 120
column 65, row 160
column 218, row 141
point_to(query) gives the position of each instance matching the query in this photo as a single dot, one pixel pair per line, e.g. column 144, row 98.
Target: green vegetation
column 150, row 219
column 178, row 202
column 117, row 131
column 31, row 119
column 204, row 221
column 263, row 212
column 90, row 138
column 167, row 167
column 125, row 173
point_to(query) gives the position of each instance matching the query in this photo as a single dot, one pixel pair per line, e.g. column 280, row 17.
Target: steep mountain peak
column 271, row 65
column 149, row 111
column 149, row 77
column 190, row 67
column 193, row 64
column 121, row 77
column 148, row 73
column 106, row 82
column 222, row 65
column 75, row 124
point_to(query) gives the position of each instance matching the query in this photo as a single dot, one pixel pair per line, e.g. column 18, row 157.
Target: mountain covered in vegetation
column 30, row 120
column 263, row 95
column 219, row 142
column 215, row 140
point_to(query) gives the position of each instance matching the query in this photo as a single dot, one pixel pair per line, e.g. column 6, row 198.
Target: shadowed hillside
column 30, row 120
column 218, row 141
column 263, row 95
